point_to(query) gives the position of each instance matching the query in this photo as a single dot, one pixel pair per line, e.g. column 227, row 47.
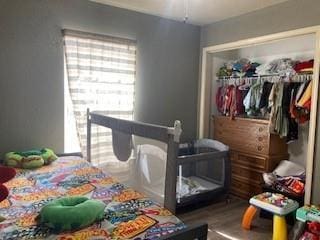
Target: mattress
column 128, row 215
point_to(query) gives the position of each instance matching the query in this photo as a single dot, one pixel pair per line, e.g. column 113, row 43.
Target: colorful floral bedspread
column 129, row 214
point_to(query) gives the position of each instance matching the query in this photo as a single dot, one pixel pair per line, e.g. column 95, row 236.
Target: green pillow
column 30, row 159
column 13, row 159
column 71, row 213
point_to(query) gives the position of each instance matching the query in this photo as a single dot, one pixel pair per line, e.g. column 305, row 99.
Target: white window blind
column 101, row 76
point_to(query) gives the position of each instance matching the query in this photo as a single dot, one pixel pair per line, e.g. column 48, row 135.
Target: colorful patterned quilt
column 128, row 215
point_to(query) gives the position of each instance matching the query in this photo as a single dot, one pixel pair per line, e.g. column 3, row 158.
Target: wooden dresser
column 253, row 150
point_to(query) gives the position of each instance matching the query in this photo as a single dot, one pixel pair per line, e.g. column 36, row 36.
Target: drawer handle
column 259, row 148
column 260, row 139
column 260, row 129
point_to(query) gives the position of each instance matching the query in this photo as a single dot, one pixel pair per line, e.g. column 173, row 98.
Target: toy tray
column 274, row 203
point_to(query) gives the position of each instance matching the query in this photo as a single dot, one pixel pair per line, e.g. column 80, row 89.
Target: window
column 100, row 75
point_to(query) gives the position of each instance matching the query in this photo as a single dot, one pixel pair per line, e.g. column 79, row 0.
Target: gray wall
column 31, row 67
column 289, row 15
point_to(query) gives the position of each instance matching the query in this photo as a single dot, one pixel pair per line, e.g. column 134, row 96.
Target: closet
column 256, row 141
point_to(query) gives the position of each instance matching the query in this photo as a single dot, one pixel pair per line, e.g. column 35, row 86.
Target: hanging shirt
column 247, row 100
column 305, row 96
column 256, row 93
column 252, row 100
column 240, row 94
column 301, row 104
column 278, row 122
column 293, row 130
column 220, row 99
column 263, row 104
column 300, row 91
column 229, row 99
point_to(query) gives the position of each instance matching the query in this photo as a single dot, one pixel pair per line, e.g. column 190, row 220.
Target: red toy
column 308, row 236
column 6, row 174
column 314, row 227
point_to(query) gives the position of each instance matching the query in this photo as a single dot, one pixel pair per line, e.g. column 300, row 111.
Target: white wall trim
column 261, row 40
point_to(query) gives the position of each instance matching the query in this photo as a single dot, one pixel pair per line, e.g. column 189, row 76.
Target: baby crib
column 203, row 171
column 170, row 173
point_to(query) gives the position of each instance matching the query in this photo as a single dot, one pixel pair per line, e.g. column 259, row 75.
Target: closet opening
column 258, row 100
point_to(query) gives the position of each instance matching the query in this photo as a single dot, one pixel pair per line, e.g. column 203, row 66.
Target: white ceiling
column 200, row 12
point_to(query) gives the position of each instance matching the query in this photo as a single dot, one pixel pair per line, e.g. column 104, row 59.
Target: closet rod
column 269, row 78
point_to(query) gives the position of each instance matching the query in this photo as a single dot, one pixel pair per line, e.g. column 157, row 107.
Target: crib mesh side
column 212, row 169
column 204, row 169
column 144, row 170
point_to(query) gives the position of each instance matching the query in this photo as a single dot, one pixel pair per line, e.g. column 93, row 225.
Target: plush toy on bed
column 71, row 213
column 6, row 174
column 30, row 159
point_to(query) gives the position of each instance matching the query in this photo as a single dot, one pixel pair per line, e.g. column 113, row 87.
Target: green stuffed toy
column 30, row 159
column 71, row 213
column 48, row 156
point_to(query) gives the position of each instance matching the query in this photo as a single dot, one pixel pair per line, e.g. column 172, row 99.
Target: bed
column 129, row 214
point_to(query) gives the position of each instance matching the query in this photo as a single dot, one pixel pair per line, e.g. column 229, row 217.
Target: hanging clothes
column 301, row 113
column 263, row 105
column 306, row 96
column 300, row 91
column 278, row 122
column 229, row 100
column 220, row 99
column 293, row 130
column 240, row 94
column 279, row 90
column 252, row 100
column 247, row 101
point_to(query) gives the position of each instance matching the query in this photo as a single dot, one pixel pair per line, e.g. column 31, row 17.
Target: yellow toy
column 275, row 203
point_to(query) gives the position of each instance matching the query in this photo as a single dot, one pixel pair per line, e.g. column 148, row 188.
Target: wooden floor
column 224, row 221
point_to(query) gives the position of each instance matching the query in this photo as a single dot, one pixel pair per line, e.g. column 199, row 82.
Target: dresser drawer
column 242, row 135
column 248, row 175
column 253, row 150
column 247, row 127
column 235, row 123
column 249, row 161
column 243, row 189
column 256, row 145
